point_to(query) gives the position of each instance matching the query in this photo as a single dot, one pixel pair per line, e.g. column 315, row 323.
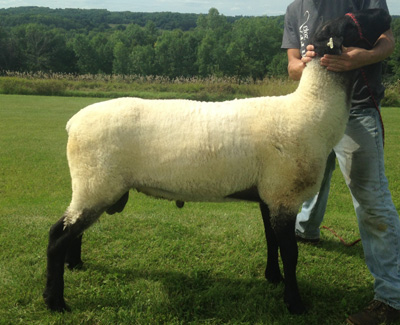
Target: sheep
column 270, row 150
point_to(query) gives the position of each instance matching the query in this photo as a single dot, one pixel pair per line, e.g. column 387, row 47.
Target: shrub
column 392, row 95
column 14, row 85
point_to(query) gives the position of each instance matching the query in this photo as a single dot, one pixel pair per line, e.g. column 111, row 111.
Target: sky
column 225, row 7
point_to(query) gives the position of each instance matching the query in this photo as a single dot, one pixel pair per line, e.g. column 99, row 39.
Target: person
column 359, row 153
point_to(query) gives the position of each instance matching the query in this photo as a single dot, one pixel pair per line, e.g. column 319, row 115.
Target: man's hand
column 310, row 54
column 297, row 63
column 350, row 59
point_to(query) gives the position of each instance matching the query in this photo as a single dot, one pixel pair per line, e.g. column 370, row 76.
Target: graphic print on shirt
column 304, row 32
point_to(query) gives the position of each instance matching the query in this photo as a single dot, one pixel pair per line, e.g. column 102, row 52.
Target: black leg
column 63, row 240
column 73, row 257
column 118, row 206
column 284, row 227
column 272, row 271
column 280, row 234
column 59, row 239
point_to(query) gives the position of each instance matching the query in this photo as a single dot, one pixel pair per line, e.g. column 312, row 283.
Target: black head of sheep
column 353, row 29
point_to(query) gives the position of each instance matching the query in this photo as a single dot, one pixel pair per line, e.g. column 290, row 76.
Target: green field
column 154, row 263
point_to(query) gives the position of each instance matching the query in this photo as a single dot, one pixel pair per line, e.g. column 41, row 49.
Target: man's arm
column 295, row 64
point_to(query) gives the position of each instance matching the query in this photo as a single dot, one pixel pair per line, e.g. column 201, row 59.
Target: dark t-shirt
column 303, row 18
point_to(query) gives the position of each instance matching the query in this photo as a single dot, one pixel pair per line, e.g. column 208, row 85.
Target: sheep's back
column 170, row 144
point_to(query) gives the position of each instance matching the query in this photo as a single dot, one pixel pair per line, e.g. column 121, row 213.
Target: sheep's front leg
column 284, row 227
column 272, row 271
column 280, row 235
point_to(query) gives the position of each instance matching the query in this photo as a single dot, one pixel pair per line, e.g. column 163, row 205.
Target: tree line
column 166, row 44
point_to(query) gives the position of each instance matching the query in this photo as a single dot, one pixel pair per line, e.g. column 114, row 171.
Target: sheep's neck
column 325, row 98
column 318, row 87
column 317, row 84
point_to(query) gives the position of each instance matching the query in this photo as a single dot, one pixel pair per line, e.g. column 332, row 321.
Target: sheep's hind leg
column 61, row 237
column 272, row 271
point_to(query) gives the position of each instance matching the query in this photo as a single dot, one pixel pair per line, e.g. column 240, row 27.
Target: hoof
column 75, row 265
column 274, row 277
column 56, row 305
column 296, row 308
column 180, row 204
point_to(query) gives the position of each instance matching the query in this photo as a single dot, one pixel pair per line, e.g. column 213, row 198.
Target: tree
column 98, row 41
column 86, row 61
column 254, row 44
column 41, row 49
column 393, row 61
column 95, row 53
column 142, row 61
column 103, row 50
column 121, row 62
column 278, row 66
column 214, row 32
column 134, row 50
column 10, row 56
column 175, row 54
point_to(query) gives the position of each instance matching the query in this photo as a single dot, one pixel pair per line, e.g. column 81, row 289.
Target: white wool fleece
column 197, row 151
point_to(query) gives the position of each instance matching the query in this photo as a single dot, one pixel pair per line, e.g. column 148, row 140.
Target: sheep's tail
column 68, row 126
column 73, row 121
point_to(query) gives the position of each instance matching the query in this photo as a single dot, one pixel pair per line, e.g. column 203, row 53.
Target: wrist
column 295, row 69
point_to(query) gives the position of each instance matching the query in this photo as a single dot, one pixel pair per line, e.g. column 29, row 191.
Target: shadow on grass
column 202, row 296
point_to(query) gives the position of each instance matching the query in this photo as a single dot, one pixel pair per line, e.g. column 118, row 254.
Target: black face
column 326, row 43
column 344, row 31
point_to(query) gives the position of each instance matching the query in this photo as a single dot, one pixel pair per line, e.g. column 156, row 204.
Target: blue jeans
column 360, row 157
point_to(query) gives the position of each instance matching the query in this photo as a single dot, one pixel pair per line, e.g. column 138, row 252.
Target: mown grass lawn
column 154, row 263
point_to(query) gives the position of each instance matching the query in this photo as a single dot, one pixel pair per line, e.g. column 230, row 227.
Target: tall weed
column 210, row 88
column 20, row 86
column 110, row 86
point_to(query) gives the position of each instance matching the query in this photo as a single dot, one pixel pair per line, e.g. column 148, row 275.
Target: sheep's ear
column 334, row 45
column 330, row 45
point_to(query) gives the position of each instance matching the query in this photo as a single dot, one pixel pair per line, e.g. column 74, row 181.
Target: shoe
column 375, row 313
column 312, row 241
